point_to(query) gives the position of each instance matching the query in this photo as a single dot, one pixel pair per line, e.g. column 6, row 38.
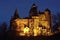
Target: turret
column 13, row 18
column 33, row 11
column 48, row 15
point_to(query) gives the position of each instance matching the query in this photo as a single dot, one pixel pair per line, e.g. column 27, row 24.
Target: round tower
column 48, row 16
column 33, row 11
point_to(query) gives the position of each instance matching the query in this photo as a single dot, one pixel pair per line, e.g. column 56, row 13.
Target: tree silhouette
column 56, row 21
column 4, row 27
column 58, row 17
column 3, row 30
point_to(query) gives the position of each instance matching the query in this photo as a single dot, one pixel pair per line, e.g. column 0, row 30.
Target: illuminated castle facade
column 38, row 23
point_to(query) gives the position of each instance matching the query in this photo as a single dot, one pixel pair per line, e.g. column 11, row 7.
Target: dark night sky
column 7, row 7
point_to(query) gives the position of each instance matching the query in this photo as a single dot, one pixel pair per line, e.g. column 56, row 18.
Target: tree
column 4, row 27
column 56, row 21
column 58, row 17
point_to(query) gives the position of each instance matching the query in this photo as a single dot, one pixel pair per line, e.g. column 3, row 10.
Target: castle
column 37, row 23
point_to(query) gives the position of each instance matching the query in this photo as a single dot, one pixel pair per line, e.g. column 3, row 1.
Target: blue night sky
column 7, row 7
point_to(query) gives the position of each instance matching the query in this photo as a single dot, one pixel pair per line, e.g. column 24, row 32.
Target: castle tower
column 33, row 11
column 48, row 15
column 13, row 18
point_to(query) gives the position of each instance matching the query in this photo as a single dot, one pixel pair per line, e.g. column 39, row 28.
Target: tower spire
column 34, row 5
column 16, row 14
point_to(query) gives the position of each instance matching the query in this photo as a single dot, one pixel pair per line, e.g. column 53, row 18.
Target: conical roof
column 34, row 5
column 47, row 10
column 16, row 14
